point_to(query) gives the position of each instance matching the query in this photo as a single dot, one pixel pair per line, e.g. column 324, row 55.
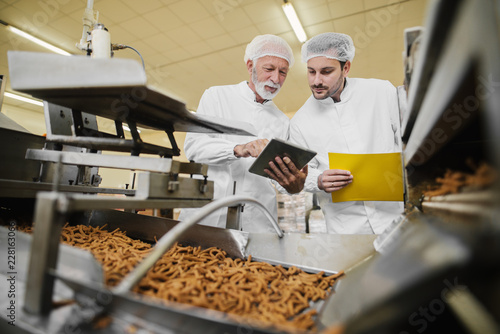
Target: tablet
column 277, row 147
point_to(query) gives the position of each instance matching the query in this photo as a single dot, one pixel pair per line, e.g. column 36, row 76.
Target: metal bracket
column 175, row 149
column 233, row 220
column 40, row 284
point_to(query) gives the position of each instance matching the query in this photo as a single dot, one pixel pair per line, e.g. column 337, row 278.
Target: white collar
column 344, row 95
column 249, row 93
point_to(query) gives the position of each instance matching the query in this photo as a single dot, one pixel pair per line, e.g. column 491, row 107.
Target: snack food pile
column 454, row 181
column 257, row 290
column 246, row 289
column 117, row 253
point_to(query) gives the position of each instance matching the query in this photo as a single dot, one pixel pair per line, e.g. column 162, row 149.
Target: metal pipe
column 88, row 22
column 170, row 238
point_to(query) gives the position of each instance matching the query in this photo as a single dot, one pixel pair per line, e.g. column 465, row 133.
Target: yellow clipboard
column 376, row 177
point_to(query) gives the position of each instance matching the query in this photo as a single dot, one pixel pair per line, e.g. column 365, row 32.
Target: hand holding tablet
column 300, row 156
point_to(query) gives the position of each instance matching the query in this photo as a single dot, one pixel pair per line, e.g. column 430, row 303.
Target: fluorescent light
column 292, row 17
column 39, row 41
column 126, row 128
column 24, row 99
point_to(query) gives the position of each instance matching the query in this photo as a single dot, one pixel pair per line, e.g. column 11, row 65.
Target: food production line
column 73, row 149
column 435, row 269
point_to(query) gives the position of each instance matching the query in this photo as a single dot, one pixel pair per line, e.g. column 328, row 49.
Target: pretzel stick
column 208, row 278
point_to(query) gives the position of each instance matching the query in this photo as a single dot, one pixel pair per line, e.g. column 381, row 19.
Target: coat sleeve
column 211, row 149
column 394, row 114
column 311, row 184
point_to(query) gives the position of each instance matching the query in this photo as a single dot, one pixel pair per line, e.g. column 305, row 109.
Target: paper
column 376, row 177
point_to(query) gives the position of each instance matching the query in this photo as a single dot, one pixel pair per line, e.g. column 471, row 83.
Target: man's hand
column 287, row 175
column 251, row 149
column 334, row 179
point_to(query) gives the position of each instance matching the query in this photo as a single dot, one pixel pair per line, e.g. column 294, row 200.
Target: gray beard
column 261, row 89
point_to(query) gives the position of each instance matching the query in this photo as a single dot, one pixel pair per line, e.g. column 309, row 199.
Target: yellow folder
column 376, row 177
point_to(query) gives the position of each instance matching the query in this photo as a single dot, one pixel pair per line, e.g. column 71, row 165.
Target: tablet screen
column 277, row 147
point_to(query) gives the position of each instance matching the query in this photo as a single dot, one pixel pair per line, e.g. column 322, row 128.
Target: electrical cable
column 122, row 46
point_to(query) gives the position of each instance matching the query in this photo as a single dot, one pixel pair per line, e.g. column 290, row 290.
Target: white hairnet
column 269, row 45
column 330, row 45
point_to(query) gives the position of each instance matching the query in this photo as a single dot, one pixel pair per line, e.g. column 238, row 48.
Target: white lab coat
column 366, row 120
column 236, row 102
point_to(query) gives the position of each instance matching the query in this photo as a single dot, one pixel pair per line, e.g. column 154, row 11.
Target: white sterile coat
column 365, row 120
column 236, row 102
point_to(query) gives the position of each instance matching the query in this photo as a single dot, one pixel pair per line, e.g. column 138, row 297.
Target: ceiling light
column 38, row 41
column 126, row 128
column 24, row 99
column 292, row 17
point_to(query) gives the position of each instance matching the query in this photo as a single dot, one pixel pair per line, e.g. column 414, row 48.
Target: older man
column 345, row 115
column 268, row 59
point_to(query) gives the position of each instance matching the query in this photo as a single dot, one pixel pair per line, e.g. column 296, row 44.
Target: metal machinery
column 435, row 269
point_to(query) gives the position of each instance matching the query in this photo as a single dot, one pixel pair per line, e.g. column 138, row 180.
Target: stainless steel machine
column 436, row 269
